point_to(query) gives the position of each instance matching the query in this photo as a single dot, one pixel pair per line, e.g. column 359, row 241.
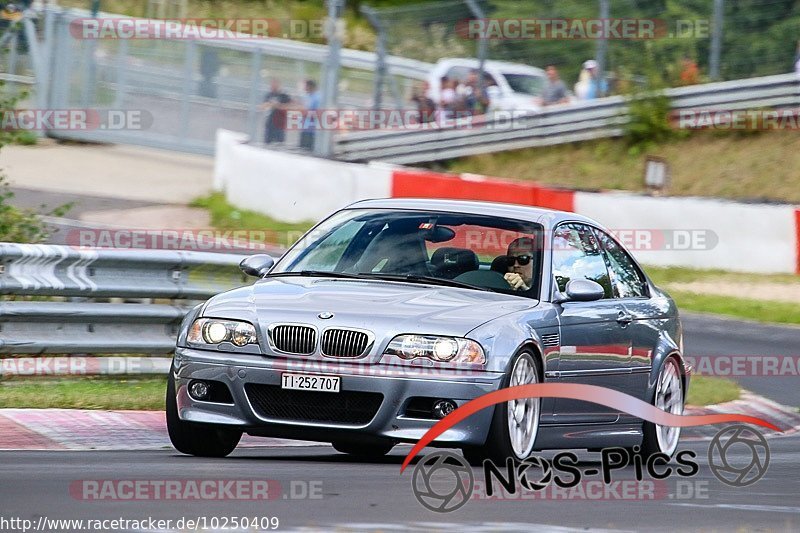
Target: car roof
column 503, row 66
column 546, row 217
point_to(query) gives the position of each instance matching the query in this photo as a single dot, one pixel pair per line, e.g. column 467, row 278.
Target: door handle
column 624, row 318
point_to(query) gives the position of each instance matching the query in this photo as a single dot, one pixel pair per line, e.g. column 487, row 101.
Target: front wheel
column 197, row 439
column 669, row 397
column 515, row 424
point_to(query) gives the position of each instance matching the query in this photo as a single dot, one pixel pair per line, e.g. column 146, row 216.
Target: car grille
column 344, row 343
column 300, row 340
column 355, row 408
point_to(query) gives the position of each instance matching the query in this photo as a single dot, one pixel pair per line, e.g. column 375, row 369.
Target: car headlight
column 441, row 349
column 216, row 331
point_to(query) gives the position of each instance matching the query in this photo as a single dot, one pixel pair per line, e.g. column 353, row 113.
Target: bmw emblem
column 325, row 316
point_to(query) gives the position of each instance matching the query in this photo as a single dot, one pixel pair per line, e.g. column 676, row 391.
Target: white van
column 512, row 86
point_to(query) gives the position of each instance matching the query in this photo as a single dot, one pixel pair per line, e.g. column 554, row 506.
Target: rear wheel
column 515, row 424
column 190, row 438
column 363, row 450
column 669, row 397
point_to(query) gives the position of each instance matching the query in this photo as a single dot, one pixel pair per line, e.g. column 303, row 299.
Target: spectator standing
column 690, row 74
column 447, row 101
column 582, row 86
column 425, row 105
column 275, row 101
column 554, row 92
column 595, row 86
column 310, row 120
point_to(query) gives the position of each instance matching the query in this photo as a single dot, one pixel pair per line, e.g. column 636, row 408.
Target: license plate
column 310, row 382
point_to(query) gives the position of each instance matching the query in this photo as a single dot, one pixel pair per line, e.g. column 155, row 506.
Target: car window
column 576, row 255
column 504, row 255
column 625, row 276
column 329, row 250
column 458, row 73
column 525, row 83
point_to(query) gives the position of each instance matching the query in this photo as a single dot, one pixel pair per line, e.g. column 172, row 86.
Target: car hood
column 385, row 308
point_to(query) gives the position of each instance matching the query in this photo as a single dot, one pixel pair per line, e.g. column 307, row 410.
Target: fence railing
column 186, row 88
column 554, row 125
column 87, row 301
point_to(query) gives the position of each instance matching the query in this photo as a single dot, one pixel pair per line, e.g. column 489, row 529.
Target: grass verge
column 704, row 164
column 146, row 393
column 759, row 310
column 666, row 275
column 763, row 310
column 708, row 391
column 228, row 217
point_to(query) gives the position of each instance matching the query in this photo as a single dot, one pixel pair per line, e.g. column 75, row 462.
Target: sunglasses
column 522, row 260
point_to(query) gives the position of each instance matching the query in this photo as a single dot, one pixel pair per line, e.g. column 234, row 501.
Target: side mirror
column 256, row 265
column 582, row 290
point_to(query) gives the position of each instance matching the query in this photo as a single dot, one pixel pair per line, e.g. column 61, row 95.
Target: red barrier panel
column 561, row 199
column 425, row 184
column 797, row 237
column 422, row 184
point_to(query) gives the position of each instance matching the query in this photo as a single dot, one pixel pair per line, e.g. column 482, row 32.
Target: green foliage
column 18, row 225
column 86, row 392
column 649, row 122
column 228, row 217
column 705, row 390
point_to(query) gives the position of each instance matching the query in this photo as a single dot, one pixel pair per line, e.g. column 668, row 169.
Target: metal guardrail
column 555, row 125
column 33, row 323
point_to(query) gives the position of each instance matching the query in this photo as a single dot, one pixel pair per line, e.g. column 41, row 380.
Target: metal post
column 36, row 56
column 602, row 49
column 253, row 100
column 13, row 46
column 478, row 13
column 122, row 74
column 380, row 50
column 716, row 39
column 188, row 84
column 323, row 142
column 47, row 55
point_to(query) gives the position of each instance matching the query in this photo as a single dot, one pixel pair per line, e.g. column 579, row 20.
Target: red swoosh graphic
column 589, row 393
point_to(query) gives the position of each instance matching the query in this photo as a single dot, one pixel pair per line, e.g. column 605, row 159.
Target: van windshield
column 525, row 83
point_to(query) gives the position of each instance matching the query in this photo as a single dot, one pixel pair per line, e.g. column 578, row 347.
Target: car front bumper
column 397, row 384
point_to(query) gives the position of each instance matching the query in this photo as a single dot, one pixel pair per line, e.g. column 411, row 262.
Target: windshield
column 525, row 83
column 473, row 251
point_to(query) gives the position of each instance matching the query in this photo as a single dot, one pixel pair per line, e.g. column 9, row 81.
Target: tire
column 372, row 450
column 669, row 396
column 201, row 440
column 499, row 443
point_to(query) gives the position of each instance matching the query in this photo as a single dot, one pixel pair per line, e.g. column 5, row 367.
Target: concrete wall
column 662, row 231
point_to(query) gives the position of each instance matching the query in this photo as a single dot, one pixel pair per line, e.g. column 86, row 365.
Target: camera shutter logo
column 738, row 455
column 545, row 473
column 442, row 481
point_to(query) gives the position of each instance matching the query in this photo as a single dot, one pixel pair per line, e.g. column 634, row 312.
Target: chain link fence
column 724, row 39
column 183, row 90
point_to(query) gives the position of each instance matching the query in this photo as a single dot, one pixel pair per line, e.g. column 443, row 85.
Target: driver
column 520, row 264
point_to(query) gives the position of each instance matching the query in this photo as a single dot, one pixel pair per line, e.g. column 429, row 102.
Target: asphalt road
column 352, row 495
column 706, row 335
column 373, row 496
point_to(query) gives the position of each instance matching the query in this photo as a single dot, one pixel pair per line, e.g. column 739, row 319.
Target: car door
column 595, row 343
column 642, row 313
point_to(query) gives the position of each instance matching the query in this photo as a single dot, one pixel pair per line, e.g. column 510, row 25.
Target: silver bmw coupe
column 390, row 314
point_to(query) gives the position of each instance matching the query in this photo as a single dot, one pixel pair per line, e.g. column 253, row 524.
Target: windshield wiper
column 411, row 278
column 415, row 278
column 319, row 273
